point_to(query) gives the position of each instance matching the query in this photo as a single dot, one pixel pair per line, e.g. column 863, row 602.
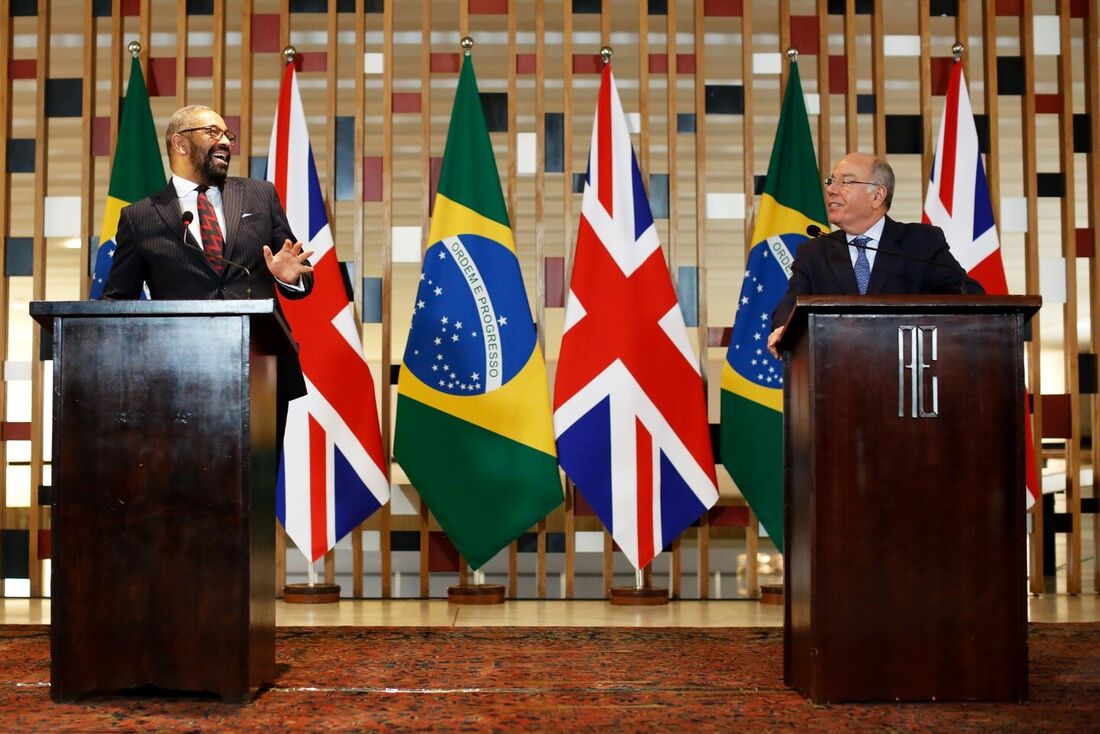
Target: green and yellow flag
column 752, row 380
column 474, row 429
column 137, row 170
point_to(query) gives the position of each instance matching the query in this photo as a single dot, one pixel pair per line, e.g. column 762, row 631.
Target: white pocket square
column 246, row 215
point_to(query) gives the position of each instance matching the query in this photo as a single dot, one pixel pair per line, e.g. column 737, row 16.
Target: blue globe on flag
column 764, row 285
column 471, row 326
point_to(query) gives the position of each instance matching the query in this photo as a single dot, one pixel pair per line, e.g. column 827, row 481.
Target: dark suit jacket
column 150, row 249
column 823, row 266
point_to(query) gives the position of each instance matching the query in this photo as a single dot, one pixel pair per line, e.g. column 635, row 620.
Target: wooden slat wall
column 38, row 289
column 748, row 185
column 5, row 228
column 1029, row 178
column 540, row 259
column 116, row 72
column 425, row 184
column 1069, row 310
column 358, row 110
column 385, row 405
column 332, row 65
column 824, row 144
column 851, row 120
column 878, row 79
column 540, row 324
column 925, row 73
column 87, row 159
column 706, row 164
column 1092, row 185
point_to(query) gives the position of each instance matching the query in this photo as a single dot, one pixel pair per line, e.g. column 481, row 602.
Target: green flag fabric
column 474, row 430
column 136, row 172
column 752, row 380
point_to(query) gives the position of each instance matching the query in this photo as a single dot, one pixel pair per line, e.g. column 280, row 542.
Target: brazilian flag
column 474, row 429
column 137, row 170
column 752, row 380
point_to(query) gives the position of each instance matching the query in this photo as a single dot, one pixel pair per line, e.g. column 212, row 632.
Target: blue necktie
column 863, row 265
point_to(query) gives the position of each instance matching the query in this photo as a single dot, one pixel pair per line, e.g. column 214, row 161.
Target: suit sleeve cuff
column 297, row 287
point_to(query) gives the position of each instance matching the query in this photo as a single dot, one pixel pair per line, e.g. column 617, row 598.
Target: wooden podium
column 904, row 481
column 163, row 495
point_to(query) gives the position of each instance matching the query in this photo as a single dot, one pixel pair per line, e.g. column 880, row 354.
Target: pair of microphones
column 189, row 217
column 838, row 236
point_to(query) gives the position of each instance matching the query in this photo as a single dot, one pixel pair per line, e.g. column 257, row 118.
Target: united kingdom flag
column 332, row 476
column 630, row 412
column 958, row 203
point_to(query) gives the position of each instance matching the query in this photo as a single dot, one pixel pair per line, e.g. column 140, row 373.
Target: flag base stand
column 315, row 594
column 476, row 594
column 633, row 596
column 771, row 593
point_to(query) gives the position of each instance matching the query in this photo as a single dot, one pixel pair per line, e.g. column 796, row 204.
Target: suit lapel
column 233, row 204
column 841, row 263
column 167, row 205
column 884, row 261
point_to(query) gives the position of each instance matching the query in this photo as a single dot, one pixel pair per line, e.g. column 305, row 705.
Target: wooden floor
column 556, row 613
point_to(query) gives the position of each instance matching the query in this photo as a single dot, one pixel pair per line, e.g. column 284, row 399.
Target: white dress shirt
column 875, row 235
column 188, row 194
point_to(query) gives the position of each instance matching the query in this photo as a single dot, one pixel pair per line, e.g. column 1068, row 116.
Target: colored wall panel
column 345, row 158
column 21, row 155
column 64, row 97
column 725, row 99
column 804, row 34
column 554, row 143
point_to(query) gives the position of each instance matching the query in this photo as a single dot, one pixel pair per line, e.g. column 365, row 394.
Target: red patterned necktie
column 212, row 241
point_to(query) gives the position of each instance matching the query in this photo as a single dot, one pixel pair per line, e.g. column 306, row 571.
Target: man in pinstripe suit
column 165, row 242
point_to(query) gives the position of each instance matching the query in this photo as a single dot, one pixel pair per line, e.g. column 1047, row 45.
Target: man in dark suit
column 206, row 236
column 908, row 258
column 223, row 248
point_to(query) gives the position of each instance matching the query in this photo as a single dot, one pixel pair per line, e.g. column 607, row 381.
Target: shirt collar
column 874, row 233
column 184, row 186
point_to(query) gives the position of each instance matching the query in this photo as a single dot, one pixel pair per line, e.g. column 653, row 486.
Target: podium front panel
column 156, row 510
column 906, row 508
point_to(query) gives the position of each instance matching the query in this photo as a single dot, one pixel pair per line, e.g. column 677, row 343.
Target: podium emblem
column 917, row 350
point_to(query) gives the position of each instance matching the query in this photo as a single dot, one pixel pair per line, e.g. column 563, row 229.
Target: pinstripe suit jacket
column 150, row 247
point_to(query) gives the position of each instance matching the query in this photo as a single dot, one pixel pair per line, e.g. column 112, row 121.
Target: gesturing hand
column 289, row 263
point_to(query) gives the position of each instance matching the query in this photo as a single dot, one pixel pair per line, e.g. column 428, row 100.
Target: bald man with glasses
column 206, row 235
column 869, row 253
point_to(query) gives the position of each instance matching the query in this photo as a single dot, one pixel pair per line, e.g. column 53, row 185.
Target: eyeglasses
column 213, row 132
column 829, row 181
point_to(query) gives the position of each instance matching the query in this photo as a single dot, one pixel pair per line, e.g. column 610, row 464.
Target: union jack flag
column 332, row 475
column 630, row 413
column 958, row 203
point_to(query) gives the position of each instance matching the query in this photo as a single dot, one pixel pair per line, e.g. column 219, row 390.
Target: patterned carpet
column 544, row 679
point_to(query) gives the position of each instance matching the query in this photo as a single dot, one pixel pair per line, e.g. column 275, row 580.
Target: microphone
column 189, row 217
column 838, row 236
